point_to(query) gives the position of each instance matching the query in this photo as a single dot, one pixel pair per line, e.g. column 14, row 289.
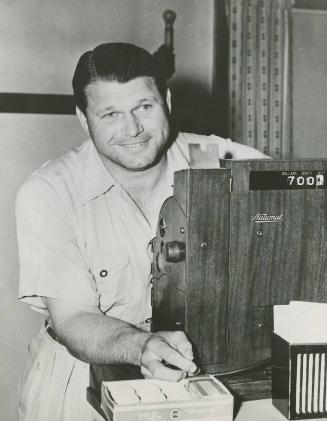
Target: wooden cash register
column 231, row 243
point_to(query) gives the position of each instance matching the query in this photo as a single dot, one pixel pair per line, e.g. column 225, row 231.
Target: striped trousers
column 53, row 384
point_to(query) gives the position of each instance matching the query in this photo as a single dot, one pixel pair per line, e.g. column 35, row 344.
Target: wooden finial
column 169, row 18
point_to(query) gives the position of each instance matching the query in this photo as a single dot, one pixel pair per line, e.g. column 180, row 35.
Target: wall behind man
column 40, row 43
column 309, row 83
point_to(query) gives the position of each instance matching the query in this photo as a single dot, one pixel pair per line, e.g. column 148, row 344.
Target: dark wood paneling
column 193, row 292
column 287, row 261
column 36, row 103
column 207, row 262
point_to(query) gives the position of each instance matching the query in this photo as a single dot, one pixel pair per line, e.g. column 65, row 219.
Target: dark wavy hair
column 119, row 62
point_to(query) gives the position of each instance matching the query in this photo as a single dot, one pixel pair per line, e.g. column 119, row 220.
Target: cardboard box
column 299, row 379
column 200, row 405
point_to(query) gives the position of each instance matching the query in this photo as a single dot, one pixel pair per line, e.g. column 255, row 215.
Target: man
column 84, row 225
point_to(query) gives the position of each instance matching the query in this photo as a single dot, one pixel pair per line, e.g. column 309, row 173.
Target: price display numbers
column 305, row 180
column 288, row 180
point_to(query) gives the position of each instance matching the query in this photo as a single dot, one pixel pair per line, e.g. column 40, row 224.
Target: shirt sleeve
column 51, row 263
column 234, row 150
column 226, row 148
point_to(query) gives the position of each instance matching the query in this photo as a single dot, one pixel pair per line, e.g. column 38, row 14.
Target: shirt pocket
column 108, row 272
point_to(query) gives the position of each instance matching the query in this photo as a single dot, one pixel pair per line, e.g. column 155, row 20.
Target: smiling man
column 127, row 122
column 84, row 224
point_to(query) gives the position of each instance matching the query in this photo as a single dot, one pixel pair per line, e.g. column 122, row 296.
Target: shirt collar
column 177, row 158
column 96, row 179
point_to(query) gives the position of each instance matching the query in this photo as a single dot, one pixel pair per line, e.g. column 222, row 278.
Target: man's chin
column 141, row 166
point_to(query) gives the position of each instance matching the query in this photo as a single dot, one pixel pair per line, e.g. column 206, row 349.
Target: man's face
column 127, row 122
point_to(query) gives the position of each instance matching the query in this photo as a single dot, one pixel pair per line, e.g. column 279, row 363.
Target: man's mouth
column 135, row 145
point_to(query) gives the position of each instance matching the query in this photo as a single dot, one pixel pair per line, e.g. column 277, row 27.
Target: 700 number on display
column 309, row 180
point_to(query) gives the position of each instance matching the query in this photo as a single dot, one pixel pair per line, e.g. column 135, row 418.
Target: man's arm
column 234, row 150
column 226, row 148
column 96, row 338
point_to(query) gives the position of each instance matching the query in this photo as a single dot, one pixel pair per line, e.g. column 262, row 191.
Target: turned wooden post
column 169, row 17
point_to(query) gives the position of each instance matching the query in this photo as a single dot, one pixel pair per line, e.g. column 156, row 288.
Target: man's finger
column 146, row 373
column 161, row 372
column 185, row 348
column 174, row 357
column 179, row 341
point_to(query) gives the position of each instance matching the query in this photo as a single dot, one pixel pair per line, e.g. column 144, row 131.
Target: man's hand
column 163, row 350
column 92, row 337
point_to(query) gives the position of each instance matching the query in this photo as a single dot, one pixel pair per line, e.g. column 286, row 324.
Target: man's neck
column 144, row 180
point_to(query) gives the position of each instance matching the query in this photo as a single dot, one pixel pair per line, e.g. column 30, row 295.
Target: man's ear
column 82, row 119
column 168, row 100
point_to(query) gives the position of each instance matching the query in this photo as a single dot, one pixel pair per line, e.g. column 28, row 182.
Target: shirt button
column 103, row 273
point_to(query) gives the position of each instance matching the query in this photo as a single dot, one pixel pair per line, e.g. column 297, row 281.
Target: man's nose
column 133, row 126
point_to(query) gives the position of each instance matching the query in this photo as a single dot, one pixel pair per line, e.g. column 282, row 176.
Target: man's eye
column 146, row 107
column 111, row 115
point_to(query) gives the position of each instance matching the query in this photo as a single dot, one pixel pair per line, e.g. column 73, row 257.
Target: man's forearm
column 99, row 339
column 96, row 338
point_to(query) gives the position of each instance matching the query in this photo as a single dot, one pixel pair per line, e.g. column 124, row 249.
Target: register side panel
column 207, row 263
